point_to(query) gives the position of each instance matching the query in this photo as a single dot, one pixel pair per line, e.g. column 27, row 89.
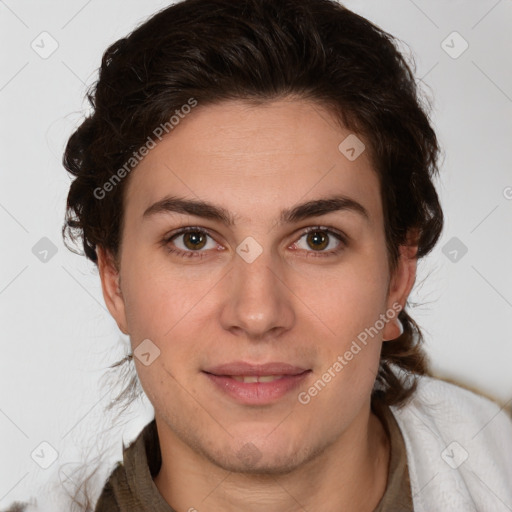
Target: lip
column 238, row 368
column 256, row 393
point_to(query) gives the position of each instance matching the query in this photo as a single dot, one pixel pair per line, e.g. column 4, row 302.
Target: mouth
column 253, row 384
column 245, row 369
column 249, row 379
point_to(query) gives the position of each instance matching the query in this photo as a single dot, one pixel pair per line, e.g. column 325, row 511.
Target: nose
column 259, row 303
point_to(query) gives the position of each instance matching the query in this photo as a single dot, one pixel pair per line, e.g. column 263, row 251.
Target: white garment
column 459, row 449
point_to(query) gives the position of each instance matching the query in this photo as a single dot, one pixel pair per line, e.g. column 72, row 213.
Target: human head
column 261, row 51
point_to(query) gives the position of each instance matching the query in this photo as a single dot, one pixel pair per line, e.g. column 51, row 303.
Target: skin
column 290, row 304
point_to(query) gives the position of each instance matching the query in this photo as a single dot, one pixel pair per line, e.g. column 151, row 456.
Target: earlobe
column 399, row 328
column 110, row 284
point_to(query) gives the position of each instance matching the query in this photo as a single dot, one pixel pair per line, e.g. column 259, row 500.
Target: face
column 259, row 279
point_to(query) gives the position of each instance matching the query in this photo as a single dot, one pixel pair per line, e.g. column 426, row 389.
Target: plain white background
column 57, row 336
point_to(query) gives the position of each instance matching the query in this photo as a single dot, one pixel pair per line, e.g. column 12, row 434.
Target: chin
column 249, row 461
column 263, row 458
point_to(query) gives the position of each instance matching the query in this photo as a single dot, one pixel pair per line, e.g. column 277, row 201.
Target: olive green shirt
column 130, row 486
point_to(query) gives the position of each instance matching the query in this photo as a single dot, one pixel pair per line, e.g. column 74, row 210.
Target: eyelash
column 201, row 254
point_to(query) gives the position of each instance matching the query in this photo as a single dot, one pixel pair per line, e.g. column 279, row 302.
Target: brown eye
column 320, row 240
column 194, row 240
column 190, row 242
column 317, row 240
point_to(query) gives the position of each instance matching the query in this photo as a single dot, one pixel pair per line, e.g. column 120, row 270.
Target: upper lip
column 248, row 369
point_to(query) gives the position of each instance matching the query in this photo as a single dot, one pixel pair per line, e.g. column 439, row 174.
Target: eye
column 321, row 240
column 189, row 242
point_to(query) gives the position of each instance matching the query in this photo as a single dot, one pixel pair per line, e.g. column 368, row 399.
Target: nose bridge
column 258, row 302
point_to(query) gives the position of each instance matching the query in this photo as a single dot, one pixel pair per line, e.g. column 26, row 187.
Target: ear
column 109, row 275
column 402, row 281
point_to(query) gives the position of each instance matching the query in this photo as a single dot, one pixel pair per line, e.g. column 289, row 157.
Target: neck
column 350, row 474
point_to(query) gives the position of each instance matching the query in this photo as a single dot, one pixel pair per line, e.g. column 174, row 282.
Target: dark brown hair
column 263, row 50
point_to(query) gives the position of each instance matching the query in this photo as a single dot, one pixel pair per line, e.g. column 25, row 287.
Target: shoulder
column 98, row 493
column 458, row 447
column 103, row 486
column 447, row 404
column 107, row 501
column 450, row 412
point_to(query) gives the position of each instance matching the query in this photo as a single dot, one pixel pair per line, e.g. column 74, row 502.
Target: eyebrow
column 206, row 210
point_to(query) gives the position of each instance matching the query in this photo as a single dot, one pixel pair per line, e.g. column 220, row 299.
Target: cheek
column 349, row 349
column 168, row 307
column 347, row 298
column 348, row 301
column 157, row 296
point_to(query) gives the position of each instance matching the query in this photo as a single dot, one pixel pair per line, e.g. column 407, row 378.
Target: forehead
column 255, row 159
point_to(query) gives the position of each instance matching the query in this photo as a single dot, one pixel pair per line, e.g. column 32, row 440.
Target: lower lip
column 258, row 393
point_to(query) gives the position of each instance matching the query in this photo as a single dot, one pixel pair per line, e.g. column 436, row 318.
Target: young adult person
column 255, row 185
